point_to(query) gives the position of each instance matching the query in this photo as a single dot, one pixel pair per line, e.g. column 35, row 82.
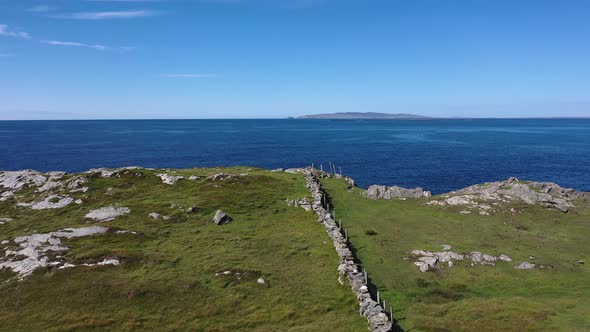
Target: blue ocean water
column 440, row 155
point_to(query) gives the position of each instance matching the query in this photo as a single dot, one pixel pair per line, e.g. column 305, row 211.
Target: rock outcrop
column 348, row 269
column 384, row 192
column 169, row 179
column 107, row 213
column 52, row 189
column 25, row 254
column 50, row 202
column 490, row 197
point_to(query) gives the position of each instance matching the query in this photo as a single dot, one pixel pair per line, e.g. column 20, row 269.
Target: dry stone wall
column 348, row 269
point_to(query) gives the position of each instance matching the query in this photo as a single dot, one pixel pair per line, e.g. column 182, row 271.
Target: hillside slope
column 159, row 262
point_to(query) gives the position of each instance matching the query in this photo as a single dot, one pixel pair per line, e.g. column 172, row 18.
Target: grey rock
column 221, row 218
column 107, row 213
column 548, row 195
column 383, row 192
column 169, row 179
column 50, row 202
column 524, row 266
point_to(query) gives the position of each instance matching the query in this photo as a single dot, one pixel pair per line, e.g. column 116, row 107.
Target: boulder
column 383, row 192
column 221, row 218
column 169, row 179
column 524, row 266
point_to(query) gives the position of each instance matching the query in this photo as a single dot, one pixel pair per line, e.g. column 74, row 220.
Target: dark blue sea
column 440, row 155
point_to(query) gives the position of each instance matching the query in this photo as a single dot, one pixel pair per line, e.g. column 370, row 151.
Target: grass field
column 472, row 298
column 167, row 281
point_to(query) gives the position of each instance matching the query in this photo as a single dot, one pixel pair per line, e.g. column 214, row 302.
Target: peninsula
column 365, row 116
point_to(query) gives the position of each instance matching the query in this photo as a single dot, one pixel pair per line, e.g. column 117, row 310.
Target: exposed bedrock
column 489, row 197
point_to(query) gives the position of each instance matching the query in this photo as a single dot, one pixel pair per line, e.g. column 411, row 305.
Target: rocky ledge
column 493, row 197
column 488, row 198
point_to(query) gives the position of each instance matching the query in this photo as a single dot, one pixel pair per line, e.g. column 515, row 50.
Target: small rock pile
column 429, row 260
column 371, row 309
column 172, row 179
column 109, row 172
column 384, row 192
column 303, row 202
column 219, row 176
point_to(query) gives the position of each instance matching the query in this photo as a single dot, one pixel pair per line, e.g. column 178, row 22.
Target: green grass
column 466, row 298
column 167, row 279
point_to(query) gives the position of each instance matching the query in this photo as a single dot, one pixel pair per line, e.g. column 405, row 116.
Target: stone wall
column 348, row 269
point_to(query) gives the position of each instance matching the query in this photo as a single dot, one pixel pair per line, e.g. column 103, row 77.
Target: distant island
column 366, row 115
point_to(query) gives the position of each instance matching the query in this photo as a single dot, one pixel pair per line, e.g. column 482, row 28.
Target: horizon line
column 425, row 118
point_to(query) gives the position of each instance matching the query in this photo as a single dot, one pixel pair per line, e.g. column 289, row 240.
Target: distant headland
column 365, row 115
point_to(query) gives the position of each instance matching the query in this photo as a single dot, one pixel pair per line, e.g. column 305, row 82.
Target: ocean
column 438, row 155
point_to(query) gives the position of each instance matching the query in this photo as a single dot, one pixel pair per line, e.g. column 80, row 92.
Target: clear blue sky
column 78, row 59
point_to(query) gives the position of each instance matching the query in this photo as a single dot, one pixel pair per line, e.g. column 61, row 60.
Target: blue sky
column 95, row 59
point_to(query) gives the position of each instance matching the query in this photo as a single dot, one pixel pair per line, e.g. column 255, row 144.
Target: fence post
column 378, row 297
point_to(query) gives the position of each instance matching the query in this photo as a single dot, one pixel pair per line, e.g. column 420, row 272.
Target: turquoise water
column 440, row 155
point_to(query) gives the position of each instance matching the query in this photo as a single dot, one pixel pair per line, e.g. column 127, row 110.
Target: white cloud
column 40, row 9
column 92, row 46
column 197, row 75
column 17, row 34
column 108, row 15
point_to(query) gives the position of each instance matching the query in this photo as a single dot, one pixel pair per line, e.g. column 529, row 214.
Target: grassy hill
column 162, row 264
column 465, row 297
column 172, row 272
